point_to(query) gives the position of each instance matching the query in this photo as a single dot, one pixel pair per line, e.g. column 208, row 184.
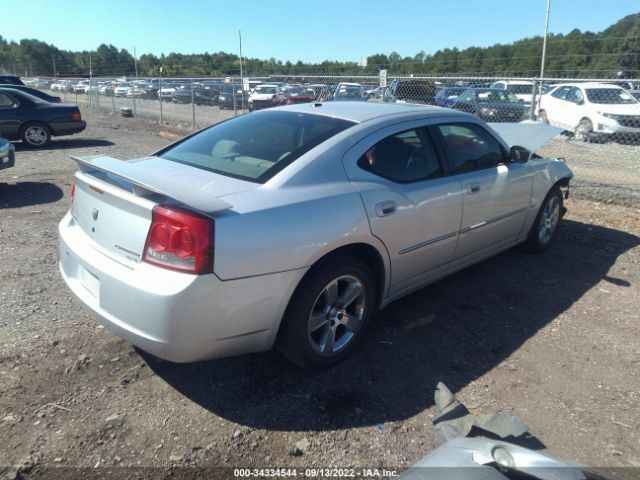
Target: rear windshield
column 255, row 147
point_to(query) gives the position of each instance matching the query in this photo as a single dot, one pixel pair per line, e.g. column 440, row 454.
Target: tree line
column 614, row 51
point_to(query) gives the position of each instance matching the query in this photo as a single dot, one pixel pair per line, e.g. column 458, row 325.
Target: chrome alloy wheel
column 337, row 315
column 36, row 135
column 549, row 220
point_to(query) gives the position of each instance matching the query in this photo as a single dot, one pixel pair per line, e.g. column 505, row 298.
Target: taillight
column 73, row 195
column 180, row 240
column 76, row 116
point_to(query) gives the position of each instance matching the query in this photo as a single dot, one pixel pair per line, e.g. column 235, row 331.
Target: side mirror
column 519, row 154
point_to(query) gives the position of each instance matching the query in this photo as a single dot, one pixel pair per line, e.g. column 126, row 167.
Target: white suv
column 266, row 96
column 591, row 110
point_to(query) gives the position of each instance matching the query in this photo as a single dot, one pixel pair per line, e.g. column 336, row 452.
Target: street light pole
column 544, row 55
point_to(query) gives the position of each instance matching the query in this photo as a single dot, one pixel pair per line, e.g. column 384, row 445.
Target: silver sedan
column 292, row 226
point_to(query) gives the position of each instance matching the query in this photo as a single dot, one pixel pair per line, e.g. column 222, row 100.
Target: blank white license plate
column 89, row 281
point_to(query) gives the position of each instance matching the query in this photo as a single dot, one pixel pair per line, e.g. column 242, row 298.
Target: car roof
column 588, row 85
column 359, row 112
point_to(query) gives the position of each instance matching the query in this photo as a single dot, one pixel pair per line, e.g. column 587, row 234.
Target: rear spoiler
column 145, row 182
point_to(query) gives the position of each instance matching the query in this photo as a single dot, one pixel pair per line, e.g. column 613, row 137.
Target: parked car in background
column 7, row 153
column 522, row 89
column 491, row 105
column 208, row 93
column 301, row 95
column 10, row 79
column 122, row 89
column 35, row 92
column 292, row 226
column 81, row 87
column 184, row 93
column 166, row 91
column 35, row 121
column 266, row 95
column 232, row 96
column 591, row 111
column 352, row 92
column 411, row 90
column 445, row 96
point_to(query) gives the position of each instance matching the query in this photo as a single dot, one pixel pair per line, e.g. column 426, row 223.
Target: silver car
column 292, row 226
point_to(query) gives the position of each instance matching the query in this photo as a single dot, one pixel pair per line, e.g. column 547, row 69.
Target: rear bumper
column 175, row 316
column 68, row 128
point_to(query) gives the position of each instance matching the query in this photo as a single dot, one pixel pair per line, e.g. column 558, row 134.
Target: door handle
column 473, row 187
column 386, row 208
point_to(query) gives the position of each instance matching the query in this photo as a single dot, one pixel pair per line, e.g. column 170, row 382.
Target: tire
column 542, row 117
column 584, row 130
column 35, row 134
column 318, row 330
column 546, row 223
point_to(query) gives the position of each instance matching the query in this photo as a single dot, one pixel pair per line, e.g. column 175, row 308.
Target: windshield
column 520, row 89
column 350, row 92
column 492, row 95
column 255, row 147
column 609, row 96
column 266, row 90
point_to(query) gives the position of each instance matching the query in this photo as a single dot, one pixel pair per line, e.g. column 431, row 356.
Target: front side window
column 403, row 158
column 470, row 147
column 255, row 147
column 574, row 95
column 560, row 92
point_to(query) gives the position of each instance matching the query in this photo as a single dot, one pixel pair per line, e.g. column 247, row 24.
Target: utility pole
column 135, row 61
column 241, row 75
column 544, row 55
column 55, row 72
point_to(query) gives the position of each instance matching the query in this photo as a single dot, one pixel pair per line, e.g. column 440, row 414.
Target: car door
column 496, row 193
column 414, row 206
column 556, row 106
column 574, row 108
column 9, row 118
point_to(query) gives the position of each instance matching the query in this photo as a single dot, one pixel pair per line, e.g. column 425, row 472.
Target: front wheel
column 328, row 313
column 544, row 228
column 36, row 135
column 584, row 130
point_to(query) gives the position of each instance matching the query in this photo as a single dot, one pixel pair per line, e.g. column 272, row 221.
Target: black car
column 35, row 121
column 184, row 93
column 230, row 95
column 490, row 104
column 411, row 90
column 447, row 95
column 35, row 92
column 208, row 93
column 10, row 80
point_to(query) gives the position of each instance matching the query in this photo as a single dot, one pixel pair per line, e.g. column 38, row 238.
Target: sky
column 311, row 31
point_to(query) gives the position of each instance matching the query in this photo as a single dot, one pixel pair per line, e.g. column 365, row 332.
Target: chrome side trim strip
column 495, row 219
column 427, row 242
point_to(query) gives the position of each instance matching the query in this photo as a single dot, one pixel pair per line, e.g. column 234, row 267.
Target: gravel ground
column 552, row 338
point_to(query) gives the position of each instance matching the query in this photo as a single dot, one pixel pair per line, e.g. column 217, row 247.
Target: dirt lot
column 553, row 338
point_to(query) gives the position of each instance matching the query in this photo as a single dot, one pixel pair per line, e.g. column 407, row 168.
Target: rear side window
column 403, row 158
column 470, row 147
column 257, row 146
column 6, row 101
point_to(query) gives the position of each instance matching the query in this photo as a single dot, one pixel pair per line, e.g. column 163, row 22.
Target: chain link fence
column 600, row 118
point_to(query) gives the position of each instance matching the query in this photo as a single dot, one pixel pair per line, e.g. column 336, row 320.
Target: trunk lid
column 114, row 199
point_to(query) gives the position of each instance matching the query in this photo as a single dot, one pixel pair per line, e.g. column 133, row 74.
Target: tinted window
column 609, row 96
column 560, row 92
column 405, row 157
column 5, row 101
column 255, row 147
column 470, row 147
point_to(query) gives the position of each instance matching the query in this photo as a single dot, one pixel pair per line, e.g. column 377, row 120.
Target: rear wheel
column 542, row 116
column 328, row 313
column 544, row 228
column 36, row 134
